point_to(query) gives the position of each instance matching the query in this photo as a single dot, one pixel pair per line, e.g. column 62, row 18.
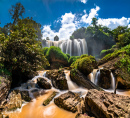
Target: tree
column 17, row 11
column 22, row 55
column 94, row 22
column 47, row 38
column 56, row 38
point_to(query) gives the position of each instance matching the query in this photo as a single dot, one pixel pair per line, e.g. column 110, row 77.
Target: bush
column 85, row 64
column 73, row 59
column 55, row 54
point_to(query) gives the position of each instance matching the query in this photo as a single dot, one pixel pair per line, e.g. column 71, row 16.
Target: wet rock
column 107, row 105
column 77, row 77
column 70, row 101
column 25, row 95
column 42, row 83
column 37, row 92
column 49, row 99
column 58, row 79
column 4, row 88
column 122, row 84
column 14, row 101
column 121, row 74
column 105, row 79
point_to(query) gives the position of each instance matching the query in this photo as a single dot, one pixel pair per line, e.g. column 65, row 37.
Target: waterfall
column 113, row 84
column 74, row 47
column 97, row 77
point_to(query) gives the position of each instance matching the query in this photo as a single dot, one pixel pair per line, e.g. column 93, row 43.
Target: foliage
column 68, row 56
column 124, row 58
column 73, row 59
column 84, row 64
column 47, row 38
column 55, row 53
column 45, row 49
column 17, row 11
column 21, row 54
column 56, row 38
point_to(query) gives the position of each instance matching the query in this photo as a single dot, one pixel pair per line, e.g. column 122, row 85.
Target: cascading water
column 74, row 47
column 97, row 77
column 113, row 84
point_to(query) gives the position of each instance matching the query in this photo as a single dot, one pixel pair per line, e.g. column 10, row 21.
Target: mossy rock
column 85, row 64
column 49, row 99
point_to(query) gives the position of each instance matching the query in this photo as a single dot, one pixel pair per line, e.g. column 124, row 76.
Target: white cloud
column 84, row 1
column 67, row 28
column 88, row 18
column 114, row 22
column 70, row 22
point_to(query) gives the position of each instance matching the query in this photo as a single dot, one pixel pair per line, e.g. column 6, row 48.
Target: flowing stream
column 35, row 109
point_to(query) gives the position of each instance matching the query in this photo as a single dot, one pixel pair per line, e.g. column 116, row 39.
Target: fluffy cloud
column 67, row 28
column 114, row 22
column 70, row 22
column 88, row 18
column 84, row 1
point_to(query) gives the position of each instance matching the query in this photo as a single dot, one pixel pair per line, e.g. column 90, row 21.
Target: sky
column 63, row 17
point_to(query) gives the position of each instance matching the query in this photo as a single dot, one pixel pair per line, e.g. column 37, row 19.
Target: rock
column 25, row 95
column 121, row 74
column 82, row 116
column 14, row 101
column 77, row 77
column 122, row 84
column 107, row 105
column 105, row 79
column 49, row 99
column 58, row 79
column 4, row 88
column 70, row 101
column 42, row 83
column 37, row 92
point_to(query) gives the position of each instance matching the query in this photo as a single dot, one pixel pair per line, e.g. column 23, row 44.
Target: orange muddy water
column 35, row 109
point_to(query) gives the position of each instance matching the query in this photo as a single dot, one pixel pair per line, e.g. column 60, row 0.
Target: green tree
column 22, row 55
column 47, row 38
column 56, row 38
column 16, row 12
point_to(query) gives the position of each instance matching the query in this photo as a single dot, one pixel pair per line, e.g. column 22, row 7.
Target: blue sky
column 63, row 17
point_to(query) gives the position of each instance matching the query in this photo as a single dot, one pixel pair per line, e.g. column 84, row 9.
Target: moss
column 56, row 53
column 84, row 64
column 123, row 63
column 72, row 59
column 48, row 100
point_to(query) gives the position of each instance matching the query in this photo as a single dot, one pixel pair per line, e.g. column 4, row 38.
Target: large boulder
column 107, row 105
column 25, row 95
column 4, row 88
column 14, row 101
column 77, row 77
column 70, row 101
column 105, row 79
column 42, row 83
column 58, row 79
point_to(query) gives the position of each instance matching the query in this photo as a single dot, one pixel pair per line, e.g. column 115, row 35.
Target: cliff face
column 4, row 88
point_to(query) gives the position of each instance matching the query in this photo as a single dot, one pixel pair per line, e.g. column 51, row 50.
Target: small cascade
column 75, row 47
column 71, row 84
column 97, row 77
column 113, row 83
